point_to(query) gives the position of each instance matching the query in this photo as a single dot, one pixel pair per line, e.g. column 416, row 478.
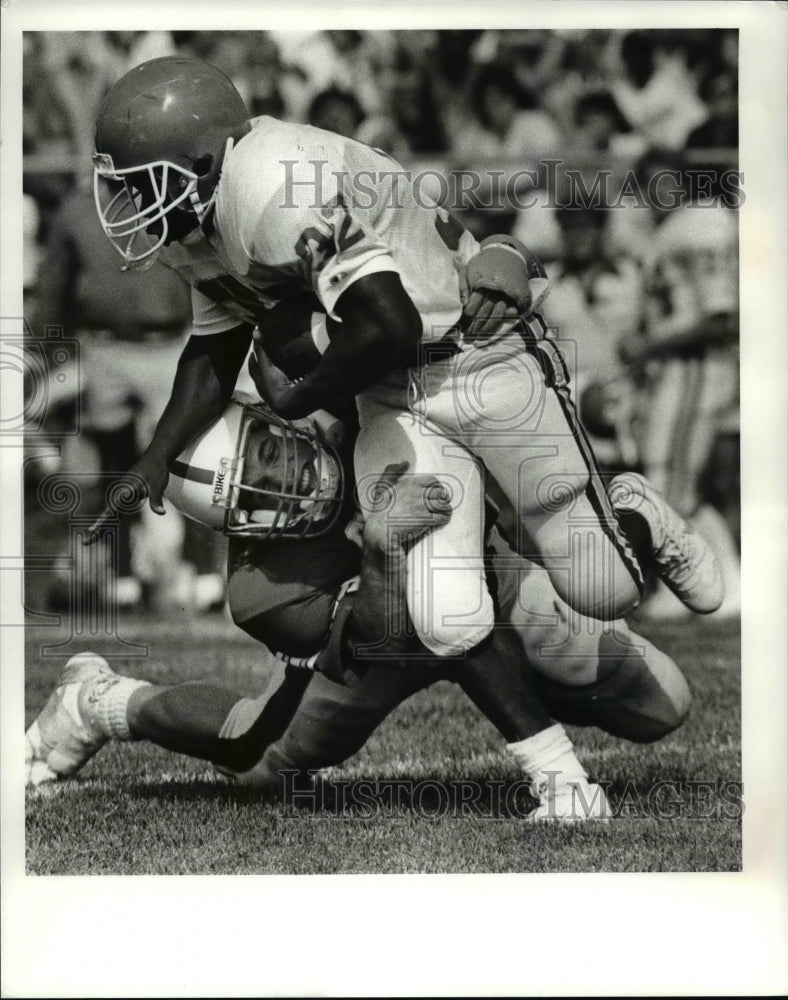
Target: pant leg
column 589, row 672
column 329, row 724
column 447, row 596
column 496, row 402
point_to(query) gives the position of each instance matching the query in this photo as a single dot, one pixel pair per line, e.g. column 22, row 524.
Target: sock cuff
column 546, row 750
column 111, row 707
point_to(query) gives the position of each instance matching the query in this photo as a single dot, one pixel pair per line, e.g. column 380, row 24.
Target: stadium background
column 437, row 100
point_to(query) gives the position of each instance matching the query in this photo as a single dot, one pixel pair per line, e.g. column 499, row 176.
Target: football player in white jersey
column 690, row 355
column 254, row 213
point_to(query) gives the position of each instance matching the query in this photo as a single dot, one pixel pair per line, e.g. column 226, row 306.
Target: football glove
column 503, row 282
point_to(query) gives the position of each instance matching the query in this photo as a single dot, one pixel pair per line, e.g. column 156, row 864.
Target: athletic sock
column 108, row 705
column 549, row 750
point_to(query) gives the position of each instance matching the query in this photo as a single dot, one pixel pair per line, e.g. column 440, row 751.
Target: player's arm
column 204, row 381
column 713, row 331
column 378, row 330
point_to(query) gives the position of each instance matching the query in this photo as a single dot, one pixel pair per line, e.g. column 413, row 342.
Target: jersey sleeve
column 317, row 224
column 210, row 317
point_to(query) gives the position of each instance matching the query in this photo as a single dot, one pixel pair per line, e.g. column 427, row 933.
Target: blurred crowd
column 639, row 101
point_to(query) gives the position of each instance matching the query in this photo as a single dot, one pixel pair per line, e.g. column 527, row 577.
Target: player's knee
column 678, row 706
column 663, row 713
column 601, row 599
column 444, row 639
column 241, row 756
column 453, row 614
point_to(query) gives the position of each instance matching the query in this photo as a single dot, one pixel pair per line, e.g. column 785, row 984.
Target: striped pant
column 497, row 418
column 691, row 401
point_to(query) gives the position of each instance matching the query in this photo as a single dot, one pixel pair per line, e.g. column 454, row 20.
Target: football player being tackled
column 334, row 613
column 257, row 213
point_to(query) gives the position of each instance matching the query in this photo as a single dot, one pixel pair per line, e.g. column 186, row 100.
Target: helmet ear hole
column 202, row 165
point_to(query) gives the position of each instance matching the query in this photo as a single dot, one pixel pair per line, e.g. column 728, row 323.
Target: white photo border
column 445, row 935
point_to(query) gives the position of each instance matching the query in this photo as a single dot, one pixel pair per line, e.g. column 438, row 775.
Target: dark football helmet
column 163, row 131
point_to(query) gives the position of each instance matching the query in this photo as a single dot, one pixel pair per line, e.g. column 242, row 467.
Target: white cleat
column 65, row 734
column 568, row 799
column 683, row 559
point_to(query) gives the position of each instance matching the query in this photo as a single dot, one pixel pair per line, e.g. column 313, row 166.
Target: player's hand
column 502, row 283
column 401, row 508
column 146, row 478
column 271, row 382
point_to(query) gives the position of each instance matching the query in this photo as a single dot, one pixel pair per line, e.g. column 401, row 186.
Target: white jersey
column 301, row 210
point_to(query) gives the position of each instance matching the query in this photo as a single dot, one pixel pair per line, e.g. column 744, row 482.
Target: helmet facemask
column 135, row 219
column 286, row 483
column 252, row 474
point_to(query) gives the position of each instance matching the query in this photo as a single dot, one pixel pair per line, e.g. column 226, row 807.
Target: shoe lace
column 100, row 686
column 677, row 552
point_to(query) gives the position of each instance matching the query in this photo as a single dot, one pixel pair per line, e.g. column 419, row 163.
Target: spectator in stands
column 252, row 61
column 412, row 100
column 655, row 85
column 599, row 126
column 314, row 61
column 79, row 67
column 508, row 136
column 131, row 328
column 689, row 356
column 596, row 302
column 721, row 129
column 508, row 125
column 337, row 111
column 262, row 71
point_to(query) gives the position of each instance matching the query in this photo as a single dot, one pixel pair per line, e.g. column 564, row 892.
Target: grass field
column 137, row 809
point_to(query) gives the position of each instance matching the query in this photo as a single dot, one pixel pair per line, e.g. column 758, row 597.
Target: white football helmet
column 252, row 474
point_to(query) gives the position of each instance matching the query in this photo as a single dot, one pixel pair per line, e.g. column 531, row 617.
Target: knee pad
column 449, row 620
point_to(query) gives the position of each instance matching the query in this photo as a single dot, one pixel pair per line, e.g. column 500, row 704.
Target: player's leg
column 511, row 407
column 686, row 407
column 589, row 672
column 447, row 597
column 91, row 705
column 640, row 696
column 333, row 722
column 498, row 402
column 192, row 718
column 500, row 681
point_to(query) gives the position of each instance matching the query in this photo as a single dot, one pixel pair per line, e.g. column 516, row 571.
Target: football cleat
column 683, row 559
column 567, row 799
column 65, row 735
